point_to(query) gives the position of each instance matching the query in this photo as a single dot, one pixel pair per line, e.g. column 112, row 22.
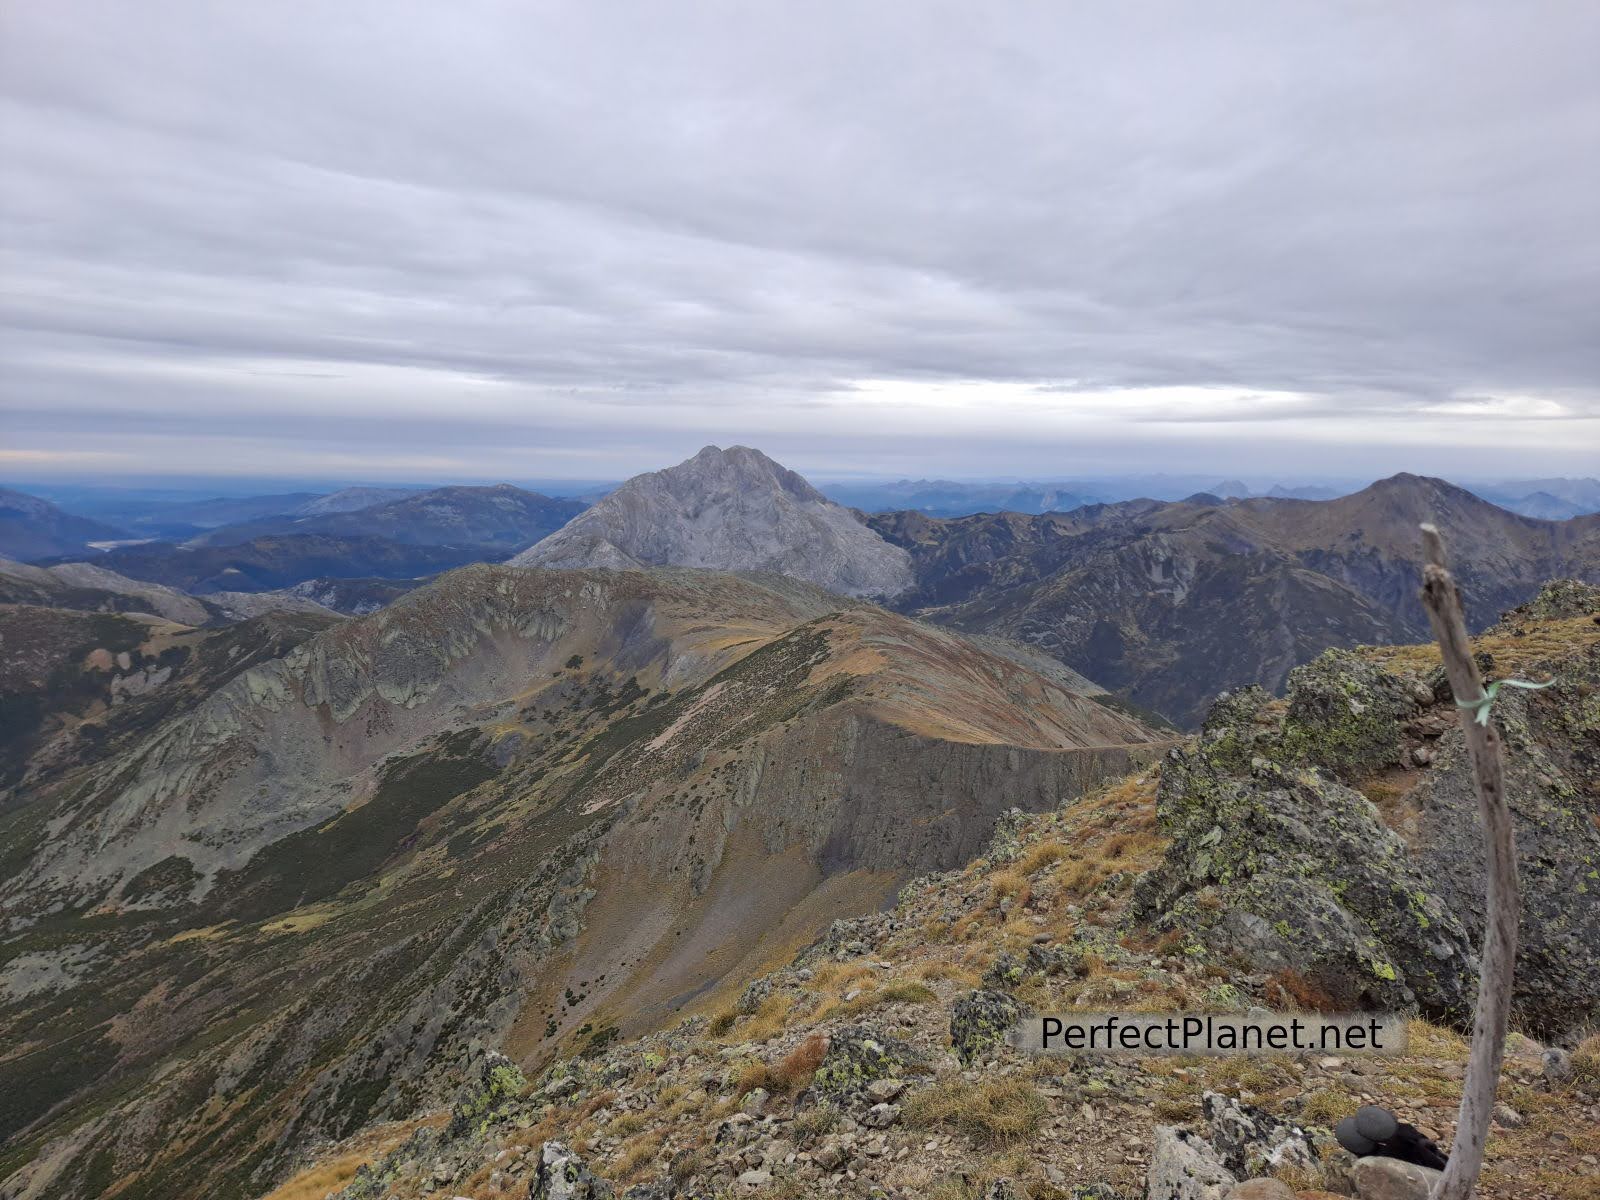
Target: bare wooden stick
column 1443, row 602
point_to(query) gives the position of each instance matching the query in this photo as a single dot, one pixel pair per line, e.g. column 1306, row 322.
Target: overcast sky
column 512, row 240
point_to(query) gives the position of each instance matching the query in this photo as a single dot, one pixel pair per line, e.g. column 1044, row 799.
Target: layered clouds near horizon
column 397, row 239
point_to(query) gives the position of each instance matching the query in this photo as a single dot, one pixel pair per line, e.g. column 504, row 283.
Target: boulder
column 1184, row 1166
column 498, row 1084
column 881, row 1116
column 1308, row 878
column 980, row 1021
column 858, row 1056
column 562, row 1175
column 1251, row 1141
column 1390, row 1179
column 1344, row 716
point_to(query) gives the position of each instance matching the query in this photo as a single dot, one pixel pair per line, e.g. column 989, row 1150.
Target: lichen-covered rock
column 1552, row 776
column 1048, row 961
column 1006, row 971
column 499, row 1083
column 1251, row 1141
column 980, row 1021
column 1557, row 599
column 1004, row 842
column 858, row 1056
column 1184, row 1166
column 1345, row 715
column 562, row 1175
column 754, row 994
column 1298, row 873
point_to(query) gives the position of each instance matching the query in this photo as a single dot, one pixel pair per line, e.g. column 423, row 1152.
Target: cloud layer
column 516, row 240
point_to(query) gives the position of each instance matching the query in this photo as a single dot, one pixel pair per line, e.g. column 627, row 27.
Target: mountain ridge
column 498, row 516
column 555, row 744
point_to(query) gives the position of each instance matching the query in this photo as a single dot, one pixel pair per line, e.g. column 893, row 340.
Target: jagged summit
column 730, row 510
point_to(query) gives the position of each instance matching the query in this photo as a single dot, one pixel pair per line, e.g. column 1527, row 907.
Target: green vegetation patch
column 316, row 863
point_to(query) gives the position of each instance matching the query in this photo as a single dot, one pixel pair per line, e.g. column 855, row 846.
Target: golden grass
column 637, row 1154
column 936, row 970
column 1586, row 1061
column 1009, row 885
column 990, row 1113
column 766, row 1023
column 1542, row 641
column 317, row 1181
column 1041, row 855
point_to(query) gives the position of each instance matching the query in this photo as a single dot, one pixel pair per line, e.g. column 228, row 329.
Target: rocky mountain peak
column 743, row 467
column 728, row 510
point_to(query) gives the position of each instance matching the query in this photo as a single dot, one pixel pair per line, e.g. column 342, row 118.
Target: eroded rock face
column 1275, row 858
column 729, row 510
column 1251, row 1141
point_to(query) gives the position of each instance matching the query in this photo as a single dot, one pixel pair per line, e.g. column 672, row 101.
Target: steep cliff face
column 516, row 808
column 730, row 510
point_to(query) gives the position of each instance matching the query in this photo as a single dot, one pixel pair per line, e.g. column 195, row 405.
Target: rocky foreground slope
column 522, row 809
column 1302, row 854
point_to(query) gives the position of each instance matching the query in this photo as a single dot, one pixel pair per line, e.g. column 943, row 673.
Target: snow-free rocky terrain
column 516, row 808
column 1337, row 873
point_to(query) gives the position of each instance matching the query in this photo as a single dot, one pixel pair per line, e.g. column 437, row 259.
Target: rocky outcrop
column 1296, row 873
column 1552, row 757
column 728, row 510
column 979, row 1023
column 1275, row 858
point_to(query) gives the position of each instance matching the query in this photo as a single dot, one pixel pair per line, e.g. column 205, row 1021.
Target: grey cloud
column 720, row 216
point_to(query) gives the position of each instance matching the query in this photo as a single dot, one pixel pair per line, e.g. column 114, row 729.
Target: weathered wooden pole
column 1443, row 602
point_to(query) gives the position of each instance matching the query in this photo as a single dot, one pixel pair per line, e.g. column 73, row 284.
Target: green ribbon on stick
column 1483, row 705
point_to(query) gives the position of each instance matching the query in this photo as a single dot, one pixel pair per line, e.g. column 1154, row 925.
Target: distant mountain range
column 501, row 517
column 1548, row 499
column 33, row 528
column 265, row 563
column 1165, row 602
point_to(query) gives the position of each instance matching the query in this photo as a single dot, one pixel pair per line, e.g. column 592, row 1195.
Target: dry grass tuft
column 1290, row 989
column 1010, row 885
column 1586, row 1061
column 1042, row 855
column 799, row 1065
column 994, row 1112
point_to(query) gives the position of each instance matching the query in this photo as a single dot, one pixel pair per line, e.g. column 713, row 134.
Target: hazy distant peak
column 730, row 509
